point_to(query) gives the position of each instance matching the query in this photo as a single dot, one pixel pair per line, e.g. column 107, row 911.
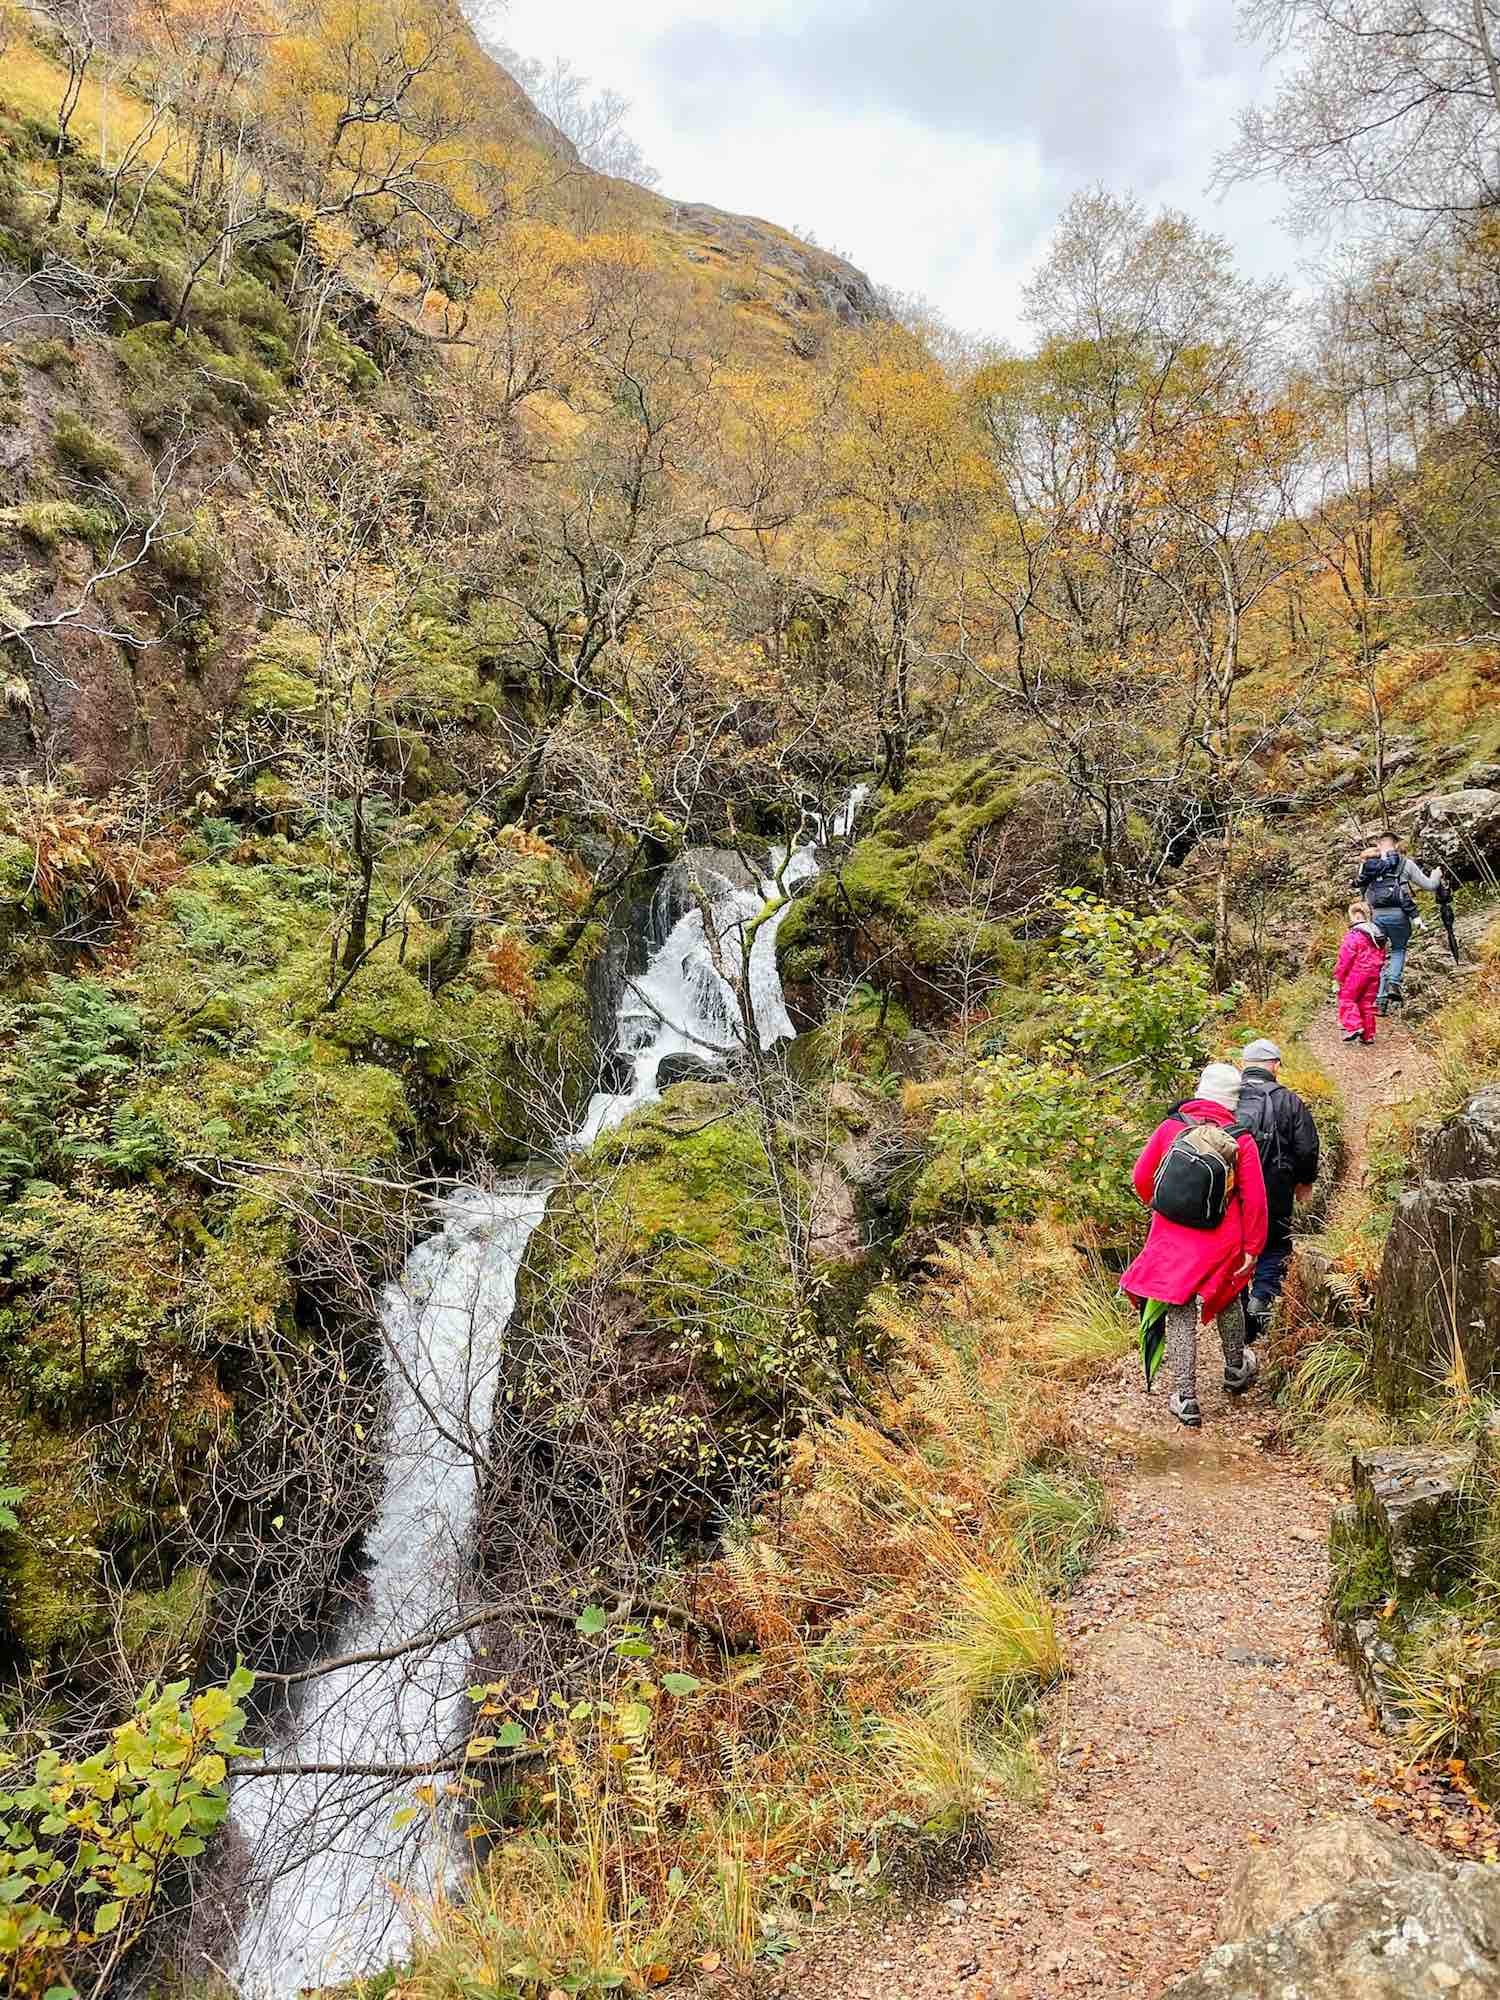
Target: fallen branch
column 438, row 1767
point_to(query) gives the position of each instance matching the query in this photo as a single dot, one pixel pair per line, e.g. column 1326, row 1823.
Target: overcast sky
column 933, row 141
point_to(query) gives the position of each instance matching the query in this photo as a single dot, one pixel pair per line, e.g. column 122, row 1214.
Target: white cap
column 1220, row 1084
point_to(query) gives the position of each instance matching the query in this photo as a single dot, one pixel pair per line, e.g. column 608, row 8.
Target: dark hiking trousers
column 1271, row 1264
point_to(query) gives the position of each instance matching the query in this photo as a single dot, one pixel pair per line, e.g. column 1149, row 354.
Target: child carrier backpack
column 1195, row 1181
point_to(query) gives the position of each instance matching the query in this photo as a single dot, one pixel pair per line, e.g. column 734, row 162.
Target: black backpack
column 1195, row 1181
column 1258, row 1118
column 1384, row 889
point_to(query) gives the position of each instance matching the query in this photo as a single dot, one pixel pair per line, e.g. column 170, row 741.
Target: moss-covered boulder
column 662, row 1324
column 921, row 905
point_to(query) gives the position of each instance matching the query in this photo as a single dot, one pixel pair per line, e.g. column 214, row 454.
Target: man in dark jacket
column 1287, row 1140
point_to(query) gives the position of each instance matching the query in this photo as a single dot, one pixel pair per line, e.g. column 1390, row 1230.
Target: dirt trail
column 1368, row 1080
column 1203, row 1712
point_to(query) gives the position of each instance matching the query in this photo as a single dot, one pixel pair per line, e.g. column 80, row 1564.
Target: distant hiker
column 1200, row 1174
column 1287, row 1140
column 1386, row 880
column 1358, row 974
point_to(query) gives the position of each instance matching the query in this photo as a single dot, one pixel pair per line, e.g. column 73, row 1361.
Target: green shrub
column 87, row 1845
column 72, row 1046
column 1029, row 1139
column 1135, row 991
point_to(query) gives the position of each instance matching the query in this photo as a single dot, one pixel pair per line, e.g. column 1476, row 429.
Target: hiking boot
column 1185, row 1410
column 1397, row 999
column 1257, row 1319
column 1355, row 1037
column 1238, row 1380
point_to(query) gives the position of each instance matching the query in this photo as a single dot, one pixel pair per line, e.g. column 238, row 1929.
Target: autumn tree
column 616, row 506
column 1135, row 455
column 1391, row 105
column 344, row 558
column 900, row 480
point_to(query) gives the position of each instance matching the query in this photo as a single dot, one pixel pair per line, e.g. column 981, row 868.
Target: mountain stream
column 338, row 1856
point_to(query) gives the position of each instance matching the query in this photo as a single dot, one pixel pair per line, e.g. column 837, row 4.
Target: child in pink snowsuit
column 1361, row 960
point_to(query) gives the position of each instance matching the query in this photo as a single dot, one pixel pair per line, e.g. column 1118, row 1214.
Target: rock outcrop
column 1273, row 1884
column 1460, row 829
column 1415, row 1500
column 815, row 280
column 1348, row 1911
column 1440, row 1276
column 1408, row 1538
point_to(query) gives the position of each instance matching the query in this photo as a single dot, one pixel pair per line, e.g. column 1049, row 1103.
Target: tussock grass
column 1058, row 1521
column 1446, row 1683
column 998, row 1650
column 1092, row 1325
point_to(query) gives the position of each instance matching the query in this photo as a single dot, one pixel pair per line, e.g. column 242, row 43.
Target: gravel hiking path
column 1204, row 1711
column 1367, row 1080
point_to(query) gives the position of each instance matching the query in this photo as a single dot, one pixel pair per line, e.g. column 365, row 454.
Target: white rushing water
column 335, row 1855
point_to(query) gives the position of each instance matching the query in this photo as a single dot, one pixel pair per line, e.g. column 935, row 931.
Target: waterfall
column 336, row 1857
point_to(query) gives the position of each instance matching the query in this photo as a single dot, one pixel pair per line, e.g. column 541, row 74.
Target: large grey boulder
column 1432, row 1934
column 1460, row 829
column 1272, row 1884
column 683, row 1068
column 1440, row 1274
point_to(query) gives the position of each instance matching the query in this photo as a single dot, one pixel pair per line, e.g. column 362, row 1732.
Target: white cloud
column 934, row 144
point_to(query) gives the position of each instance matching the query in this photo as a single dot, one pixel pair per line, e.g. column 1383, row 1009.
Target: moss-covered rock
column 916, row 908
column 664, row 1275
column 281, row 674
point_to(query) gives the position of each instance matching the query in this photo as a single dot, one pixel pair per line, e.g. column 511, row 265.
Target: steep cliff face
column 1439, row 1292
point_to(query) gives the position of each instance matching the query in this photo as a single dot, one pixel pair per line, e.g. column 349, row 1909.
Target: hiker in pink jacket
column 1207, row 1268
column 1357, row 974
